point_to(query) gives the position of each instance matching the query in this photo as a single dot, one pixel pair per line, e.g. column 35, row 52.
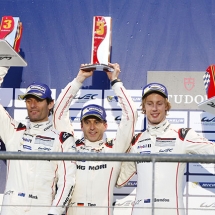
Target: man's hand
column 113, row 75
column 3, row 72
column 82, row 74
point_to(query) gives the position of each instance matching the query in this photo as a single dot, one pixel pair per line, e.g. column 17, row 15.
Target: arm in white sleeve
column 61, row 119
column 128, row 121
column 8, row 126
column 195, row 143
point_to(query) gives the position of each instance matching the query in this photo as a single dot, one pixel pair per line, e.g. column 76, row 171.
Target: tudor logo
column 189, row 83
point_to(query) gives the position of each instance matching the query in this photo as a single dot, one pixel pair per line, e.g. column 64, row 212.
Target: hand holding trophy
column 10, row 38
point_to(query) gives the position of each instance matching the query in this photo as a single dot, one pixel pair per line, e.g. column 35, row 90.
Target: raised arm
column 61, row 120
column 7, row 124
column 126, row 127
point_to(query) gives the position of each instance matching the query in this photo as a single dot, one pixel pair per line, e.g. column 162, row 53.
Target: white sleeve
column 128, row 121
column 8, row 125
column 197, row 144
column 127, row 170
column 61, row 120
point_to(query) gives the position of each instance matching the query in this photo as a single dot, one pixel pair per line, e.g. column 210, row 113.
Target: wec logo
column 208, row 205
column 205, row 119
column 86, row 97
column 118, row 119
column 165, row 150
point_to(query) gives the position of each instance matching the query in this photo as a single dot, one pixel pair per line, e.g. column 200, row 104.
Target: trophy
column 101, row 44
column 10, row 38
column 209, row 82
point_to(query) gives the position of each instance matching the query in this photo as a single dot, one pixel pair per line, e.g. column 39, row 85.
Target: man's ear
column 51, row 105
column 106, row 125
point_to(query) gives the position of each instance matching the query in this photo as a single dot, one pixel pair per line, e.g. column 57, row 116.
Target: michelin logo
column 207, row 184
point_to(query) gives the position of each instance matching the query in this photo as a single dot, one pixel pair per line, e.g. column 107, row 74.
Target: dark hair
column 51, row 111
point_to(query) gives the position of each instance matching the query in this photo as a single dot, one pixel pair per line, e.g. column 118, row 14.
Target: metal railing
column 107, row 157
column 186, row 158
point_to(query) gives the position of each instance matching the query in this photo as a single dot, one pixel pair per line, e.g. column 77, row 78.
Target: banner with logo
column 185, row 88
column 185, row 91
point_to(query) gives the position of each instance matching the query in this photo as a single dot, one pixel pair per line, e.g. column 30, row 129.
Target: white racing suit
column 31, row 185
column 168, row 185
column 95, row 180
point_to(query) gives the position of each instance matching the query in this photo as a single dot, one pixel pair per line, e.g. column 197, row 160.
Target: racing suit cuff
column 55, row 210
column 117, row 84
column 115, row 81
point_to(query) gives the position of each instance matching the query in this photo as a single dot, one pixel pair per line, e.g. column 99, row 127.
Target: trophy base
column 97, row 67
column 8, row 56
column 208, row 105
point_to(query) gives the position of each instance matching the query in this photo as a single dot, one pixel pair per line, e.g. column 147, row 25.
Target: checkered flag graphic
column 206, row 79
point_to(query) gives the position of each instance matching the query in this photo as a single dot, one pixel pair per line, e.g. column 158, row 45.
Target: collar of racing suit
column 158, row 129
column 95, row 145
column 41, row 127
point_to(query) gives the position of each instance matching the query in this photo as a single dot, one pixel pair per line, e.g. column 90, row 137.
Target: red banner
column 7, row 26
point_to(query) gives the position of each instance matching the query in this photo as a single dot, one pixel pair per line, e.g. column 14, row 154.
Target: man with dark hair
column 31, row 185
column 93, row 193
column 163, row 138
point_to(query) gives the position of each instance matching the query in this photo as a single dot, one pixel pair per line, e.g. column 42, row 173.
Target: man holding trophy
column 31, row 185
column 95, row 181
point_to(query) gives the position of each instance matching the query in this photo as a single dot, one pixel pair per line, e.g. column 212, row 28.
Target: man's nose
column 154, row 107
column 33, row 103
column 92, row 126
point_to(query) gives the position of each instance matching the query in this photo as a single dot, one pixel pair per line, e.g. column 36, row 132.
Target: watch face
column 97, row 67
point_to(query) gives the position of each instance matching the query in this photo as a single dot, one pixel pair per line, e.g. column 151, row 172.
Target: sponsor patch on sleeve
column 64, row 136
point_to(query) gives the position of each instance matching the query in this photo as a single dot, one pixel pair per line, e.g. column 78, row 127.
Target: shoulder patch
column 135, row 138
column 21, row 127
column 182, row 132
column 79, row 142
column 109, row 144
column 64, row 136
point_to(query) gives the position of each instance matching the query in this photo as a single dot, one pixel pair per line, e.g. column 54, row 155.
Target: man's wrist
column 115, row 81
column 80, row 79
